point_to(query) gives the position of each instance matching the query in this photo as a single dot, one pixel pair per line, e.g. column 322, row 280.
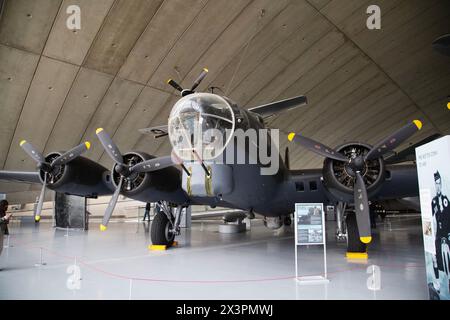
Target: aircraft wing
column 20, row 176
column 270, row 109
column 159, row 131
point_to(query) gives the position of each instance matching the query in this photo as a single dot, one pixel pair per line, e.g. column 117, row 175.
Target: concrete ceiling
column 57, row 86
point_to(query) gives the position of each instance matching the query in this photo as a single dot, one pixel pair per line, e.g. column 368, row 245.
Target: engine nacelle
column 339, row 176
column 81, row 177
column 164, row 184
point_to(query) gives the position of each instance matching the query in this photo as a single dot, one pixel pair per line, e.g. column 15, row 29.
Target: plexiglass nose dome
column 201, row 123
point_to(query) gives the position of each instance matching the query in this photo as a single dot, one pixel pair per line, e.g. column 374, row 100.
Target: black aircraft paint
column 235, row 186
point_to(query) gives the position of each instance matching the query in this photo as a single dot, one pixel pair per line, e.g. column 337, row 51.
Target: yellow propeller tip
column 87, row 144
column 291, row 136
column 448, row 105
column 168, row 81
column 418, row 124
column 205, row 69
column 37, row 218
column 365, row 239
column 98, row 130
column 22, row 142
column 102, row 228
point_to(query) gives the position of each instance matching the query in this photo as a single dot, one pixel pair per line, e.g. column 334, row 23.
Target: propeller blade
column 174, row 85
column 362, row 209
column 110, row 147
column 71, row 154
column 286, row 158
column 32, row 152
column 153, row 164
column 40, row 203
column 199, row 79
column 316, row 147
column 111, row 206
column 409, row 154
column 394, row 140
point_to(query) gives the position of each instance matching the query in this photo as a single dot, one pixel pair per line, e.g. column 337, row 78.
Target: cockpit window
column 201, row 123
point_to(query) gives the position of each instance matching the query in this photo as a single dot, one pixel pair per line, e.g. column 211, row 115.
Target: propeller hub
column 340, row 175
column 122, row 169
column 132, row 180
column 186, row 92
column 44, row 166
column 357, row 164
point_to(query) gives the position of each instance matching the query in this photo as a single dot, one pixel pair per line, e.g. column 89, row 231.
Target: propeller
column 394, row 140
column 362, row 209
column 48, row 167
column 356, row 164
column 125, row 170
column 316, row 147
column 185, row 92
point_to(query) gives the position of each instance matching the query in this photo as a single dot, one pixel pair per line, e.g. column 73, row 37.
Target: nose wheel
column 161, row 233
column 166, row 226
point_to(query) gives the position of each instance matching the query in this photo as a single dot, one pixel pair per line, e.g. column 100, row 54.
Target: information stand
column 310, row 231
column 433, row 172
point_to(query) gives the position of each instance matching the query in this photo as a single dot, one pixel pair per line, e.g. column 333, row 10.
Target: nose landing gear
column 166, row 226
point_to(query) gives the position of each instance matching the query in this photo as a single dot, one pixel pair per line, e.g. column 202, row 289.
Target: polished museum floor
column 258, row 264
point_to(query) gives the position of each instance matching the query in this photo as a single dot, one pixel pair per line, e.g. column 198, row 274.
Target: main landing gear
column 166, row 226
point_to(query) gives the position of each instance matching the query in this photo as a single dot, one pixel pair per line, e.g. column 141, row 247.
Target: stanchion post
column 76, row 266
column 7, row 243
column 131, row 288
column 41, row 259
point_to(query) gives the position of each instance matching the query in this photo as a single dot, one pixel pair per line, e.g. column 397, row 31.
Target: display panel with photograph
column 309, row 219
column 433, row 167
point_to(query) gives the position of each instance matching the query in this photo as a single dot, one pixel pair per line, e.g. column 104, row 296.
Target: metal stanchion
column 7, row 243
column 138, row 219
column 131, row 288
column 41, row 259
column 76, row 265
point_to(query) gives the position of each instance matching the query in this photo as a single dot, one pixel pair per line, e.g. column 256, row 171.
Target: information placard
column 310, row 230
column 433, row 170
column 309, row 223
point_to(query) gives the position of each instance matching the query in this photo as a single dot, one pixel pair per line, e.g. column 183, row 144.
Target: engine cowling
column 339, row 177
column 164, row 184
column 81, row 177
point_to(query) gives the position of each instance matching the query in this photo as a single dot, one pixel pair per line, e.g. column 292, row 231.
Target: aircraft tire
column 160, row 234
column 353, row 242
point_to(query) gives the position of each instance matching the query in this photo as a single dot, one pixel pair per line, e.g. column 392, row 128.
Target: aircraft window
column 299, row 186
column 313, row 186
column 201, row 122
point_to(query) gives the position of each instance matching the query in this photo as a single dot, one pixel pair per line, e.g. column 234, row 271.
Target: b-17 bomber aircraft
column 224, row 155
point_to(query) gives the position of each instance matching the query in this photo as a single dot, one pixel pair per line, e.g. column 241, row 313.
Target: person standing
column 4, row 220
column 147, row 212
